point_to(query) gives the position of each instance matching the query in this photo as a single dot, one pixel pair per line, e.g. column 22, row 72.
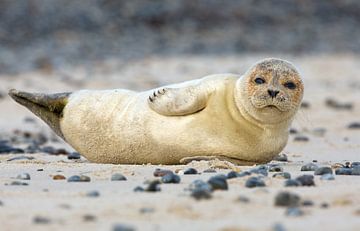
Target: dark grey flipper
column 48, row 107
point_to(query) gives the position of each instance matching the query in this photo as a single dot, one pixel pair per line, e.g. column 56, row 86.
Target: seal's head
column 270, row 91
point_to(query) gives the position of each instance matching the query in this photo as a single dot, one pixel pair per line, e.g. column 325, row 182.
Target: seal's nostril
column 273, row 93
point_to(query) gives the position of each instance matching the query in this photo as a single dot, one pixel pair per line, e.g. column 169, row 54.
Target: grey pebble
column 324, row 205
column 281, row 157
column 293, row 131
column 153, row 186
column 261, row 169
column 139, row 189
column 243, row 199
column 161, row 172
column 309, row 167
column 93, row 193
column 283, row 175
column 171, row 178
column 327, row 177
column 200, row 190
column 337, row 105
column 276, row 169
column 253, row 182
column 323, row 170
column 287, row 199
column 232, row 174
column 77, row 178
column 41, row 220
column 301, row 138
column 21, row 158
column 307, row 203
column 218, row 182
column 244, row 173
column 89, row 217
column 294, row 212
column 355, row 171
column 278, row 227
column 118, row 177
column 209, row 170
column 18, row 183
column 190, row 171
column 292, row 183
column 343, row 171
column 354, row 125
column 146, row 210
column 306, row 180
column 74, row 156
column 122, row 227
column 355, row 164
column 23, row 176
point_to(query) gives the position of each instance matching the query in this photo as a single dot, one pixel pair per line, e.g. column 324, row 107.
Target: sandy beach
column 325, row 132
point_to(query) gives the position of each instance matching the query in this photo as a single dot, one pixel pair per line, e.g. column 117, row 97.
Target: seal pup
column 243, row 119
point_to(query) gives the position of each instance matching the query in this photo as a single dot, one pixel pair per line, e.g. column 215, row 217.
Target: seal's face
column 273, row 89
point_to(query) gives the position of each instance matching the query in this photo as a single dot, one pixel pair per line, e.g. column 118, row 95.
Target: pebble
column 232, row 174
column 209, row 170
column 153, row 186
column 59, row 177
column 190, row 171
column 307, row 203
column 327, row 176
column 89, row 217
column 54, row 151
column 146, row 210
column 74, row 156
column 41, row 220
column 139, row 189
column 244, row 173
column 253, row 182
column 161, row 172
column 117, row 177
column 294, row 212
column 324, row 205
column 281, row 157
column 292, row 183
column 276, row 169
column 5, row 148
column 354, row 125
column 77, row 178
column 21, row 158
column 122, row 227
column 278, row 227
column 243, row 199
column 200, row 190
column 343, row 171
column 323, row 170
column 309, row 167
column 287, row 199
column 293, row 131
column 282, row 175
column 301, row 138
column 355, row 164
column 261, row 169
column 355, row 171
column 305, row 105
column 40, row 169
column 171, row 178
column 337, row 105
column 23, row 176
column 218, row 182
column 306, row 180
column 93, row 193
column 18, row 183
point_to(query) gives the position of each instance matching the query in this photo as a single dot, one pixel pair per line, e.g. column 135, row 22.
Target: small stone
column 323, row 170
column 200, row 190
column 282, row 175
column 74, row 156
column 161, row 172
column 231, row 174
column 314, row 161
column 118, row 177
column 171, row 178
column 41, row 220
column 337, row 105
column 190, row 171
column 81, row 178
column 355, row 164
column 261, row 169
column 122, row 227
column 253, row 182
column 209, row 170
column 355, row 171
column 89, row 217
column 292, row 183
column 306, row 180
column 309, row 167
column 146, row 210
column 305, row 105
column 21, row 158
column 287, row 199
column 276, row 169
column 294, row 212
column 354, row 125
column 243, row 199
column 293, row 131
column 23, row 176
column 59, row 177
column 139, row 189
column 327, row 176
column 307, row 203
column 93, row 193
column 343, row 171
column 301, row 138
column 39, row 169
column 278, row 227
column 324, row 205
column 281, row 157
column 153, row 186
column 18, row 183
column 244, row 173
column 218, row 182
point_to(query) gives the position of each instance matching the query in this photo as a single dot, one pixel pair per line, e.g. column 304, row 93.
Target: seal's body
column 220, row 116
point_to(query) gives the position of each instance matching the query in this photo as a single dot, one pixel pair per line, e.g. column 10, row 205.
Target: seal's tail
column 48, row 107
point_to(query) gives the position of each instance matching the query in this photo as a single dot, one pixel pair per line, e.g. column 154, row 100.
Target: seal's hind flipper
column 48, row 107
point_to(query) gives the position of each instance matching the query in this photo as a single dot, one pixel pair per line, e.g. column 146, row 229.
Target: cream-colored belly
column 119, row 127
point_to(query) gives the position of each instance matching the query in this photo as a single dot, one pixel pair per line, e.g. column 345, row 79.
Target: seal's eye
column 290, row 85
column 259, row 80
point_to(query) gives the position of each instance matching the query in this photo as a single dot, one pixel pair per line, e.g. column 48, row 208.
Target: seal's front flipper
column 48, row 107
column 178, row 101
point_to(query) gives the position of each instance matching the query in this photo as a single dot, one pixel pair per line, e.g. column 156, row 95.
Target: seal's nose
column 273, row 93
